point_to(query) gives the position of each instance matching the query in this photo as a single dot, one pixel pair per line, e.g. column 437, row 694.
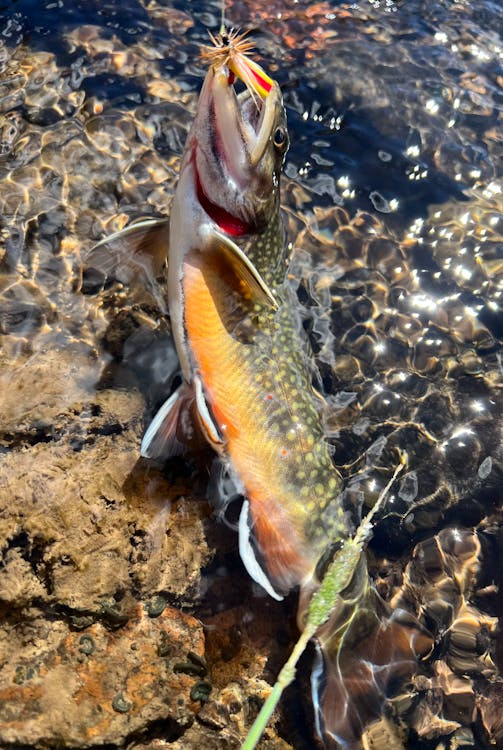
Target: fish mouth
column 226, row 221
column 230, row 143
column 241, row 120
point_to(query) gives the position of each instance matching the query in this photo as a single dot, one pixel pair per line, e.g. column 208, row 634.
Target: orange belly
column 239, row 405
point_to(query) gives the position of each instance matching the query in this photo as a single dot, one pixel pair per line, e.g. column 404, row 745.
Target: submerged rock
column 93, row 686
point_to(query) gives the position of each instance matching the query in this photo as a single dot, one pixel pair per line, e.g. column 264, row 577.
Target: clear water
column 393, row 201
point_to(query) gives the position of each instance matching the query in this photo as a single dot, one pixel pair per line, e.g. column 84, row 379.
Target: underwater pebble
column 408, row 487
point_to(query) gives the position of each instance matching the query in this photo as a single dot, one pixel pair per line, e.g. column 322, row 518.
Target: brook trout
column 238, row 336
column 247, row 375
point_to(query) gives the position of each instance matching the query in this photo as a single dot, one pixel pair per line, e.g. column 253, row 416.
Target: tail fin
column 358, row 665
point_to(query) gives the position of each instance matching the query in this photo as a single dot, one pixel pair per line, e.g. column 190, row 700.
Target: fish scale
column 268, row 251
column 259, row 390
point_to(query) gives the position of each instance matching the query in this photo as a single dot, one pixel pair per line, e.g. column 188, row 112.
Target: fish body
column 259, row 392
column 247, row 387
column 244, row 356
column 239, row 337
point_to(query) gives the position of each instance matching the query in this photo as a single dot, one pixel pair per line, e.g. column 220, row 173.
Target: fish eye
column 280, row 138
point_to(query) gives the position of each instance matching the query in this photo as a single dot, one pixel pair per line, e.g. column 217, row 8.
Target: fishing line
column 222, row 20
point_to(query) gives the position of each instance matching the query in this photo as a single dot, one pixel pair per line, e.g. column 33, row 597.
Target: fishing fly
column 232, row 48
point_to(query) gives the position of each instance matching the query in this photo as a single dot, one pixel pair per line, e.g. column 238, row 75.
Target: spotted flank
column 253, row 365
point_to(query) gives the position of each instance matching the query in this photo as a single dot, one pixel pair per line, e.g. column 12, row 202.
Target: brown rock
column 81, row 517
column 459, row 694
column 98, row 686
column 427, row 719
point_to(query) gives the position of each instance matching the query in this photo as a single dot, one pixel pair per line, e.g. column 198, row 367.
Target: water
column 392, row 196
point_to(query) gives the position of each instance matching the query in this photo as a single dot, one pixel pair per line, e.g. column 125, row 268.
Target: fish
column 247, row 369
column 237, row 331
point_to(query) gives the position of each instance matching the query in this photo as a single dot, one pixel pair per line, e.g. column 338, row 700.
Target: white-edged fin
column 140, row 247
column 206, row 420
column 162, row 439
column 248, row 555
column 244, row 269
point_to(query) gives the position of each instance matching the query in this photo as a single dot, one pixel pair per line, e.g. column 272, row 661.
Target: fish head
column 238, row 145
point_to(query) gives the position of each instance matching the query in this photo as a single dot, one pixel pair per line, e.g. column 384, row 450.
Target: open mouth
column 238, row 128
column 225, row 220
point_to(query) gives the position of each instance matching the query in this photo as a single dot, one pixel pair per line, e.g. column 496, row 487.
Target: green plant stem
column 285, row 677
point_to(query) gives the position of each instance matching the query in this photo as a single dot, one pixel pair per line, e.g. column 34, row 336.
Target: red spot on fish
column 268, row 397
column 284, row 452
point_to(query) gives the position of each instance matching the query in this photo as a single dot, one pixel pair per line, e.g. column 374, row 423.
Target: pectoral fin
column 184, row 418
column 169, row 431
column 244, row 270
column 140, row 247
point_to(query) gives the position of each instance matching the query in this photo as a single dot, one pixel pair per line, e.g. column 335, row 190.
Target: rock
column 90, row 526
column 490, row 705
column 94, row 686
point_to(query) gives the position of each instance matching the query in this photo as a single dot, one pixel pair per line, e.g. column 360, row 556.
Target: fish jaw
column 243, row 124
